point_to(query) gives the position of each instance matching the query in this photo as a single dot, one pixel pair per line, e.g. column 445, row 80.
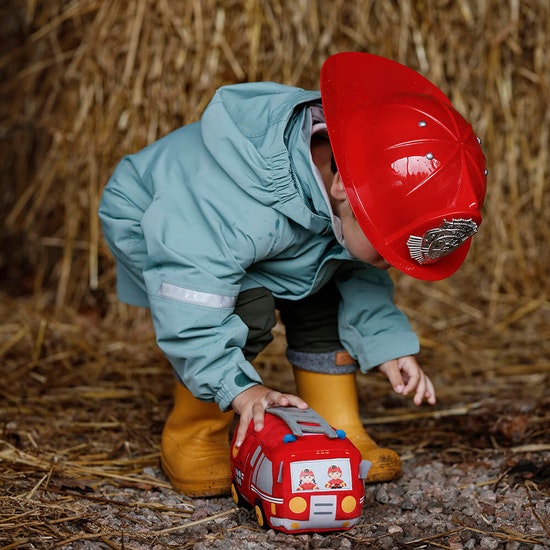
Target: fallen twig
column 436, row 414
column 197, row 522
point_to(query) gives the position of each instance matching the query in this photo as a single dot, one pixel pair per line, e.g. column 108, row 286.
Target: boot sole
column 385, row 467
column 198, row 487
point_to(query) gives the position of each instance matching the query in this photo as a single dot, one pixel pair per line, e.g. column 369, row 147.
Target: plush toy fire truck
column 299, row 474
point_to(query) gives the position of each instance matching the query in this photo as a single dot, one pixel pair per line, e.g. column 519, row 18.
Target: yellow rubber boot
column 334, row 397
column 195, row 446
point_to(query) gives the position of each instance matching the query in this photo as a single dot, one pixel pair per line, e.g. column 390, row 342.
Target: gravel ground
column 497, row 501
column 79, row 444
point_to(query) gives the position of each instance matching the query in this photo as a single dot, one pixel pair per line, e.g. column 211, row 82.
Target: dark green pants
column 311, row 327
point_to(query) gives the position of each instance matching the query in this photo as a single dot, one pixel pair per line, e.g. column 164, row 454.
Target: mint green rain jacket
column 227, row 204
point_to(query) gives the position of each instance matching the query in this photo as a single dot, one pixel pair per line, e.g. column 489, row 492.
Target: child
column 281, row 198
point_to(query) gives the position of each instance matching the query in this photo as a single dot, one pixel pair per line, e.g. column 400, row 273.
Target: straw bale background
column 83, row 82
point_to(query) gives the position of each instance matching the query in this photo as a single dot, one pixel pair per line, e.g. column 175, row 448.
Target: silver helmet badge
column 440, row 241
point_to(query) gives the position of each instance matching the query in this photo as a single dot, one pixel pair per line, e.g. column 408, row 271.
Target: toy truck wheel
column 260, row 515
column 236, row 496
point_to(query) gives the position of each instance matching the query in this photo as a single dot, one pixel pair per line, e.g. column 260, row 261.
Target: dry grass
column 85, row 82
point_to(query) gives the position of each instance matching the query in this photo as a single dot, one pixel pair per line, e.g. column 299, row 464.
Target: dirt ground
column 82, row 409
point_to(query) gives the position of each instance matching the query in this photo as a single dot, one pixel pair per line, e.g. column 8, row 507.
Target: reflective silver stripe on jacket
column 180, row 294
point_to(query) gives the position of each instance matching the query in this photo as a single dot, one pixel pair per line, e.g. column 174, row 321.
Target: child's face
column 356, row 243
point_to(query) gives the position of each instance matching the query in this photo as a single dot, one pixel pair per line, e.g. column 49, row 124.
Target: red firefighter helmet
column 412, row 167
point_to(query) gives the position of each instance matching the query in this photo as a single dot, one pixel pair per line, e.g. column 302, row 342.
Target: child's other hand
column 252, row 403
column 406, row 376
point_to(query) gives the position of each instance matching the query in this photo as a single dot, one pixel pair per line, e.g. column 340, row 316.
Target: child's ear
column 337, row 189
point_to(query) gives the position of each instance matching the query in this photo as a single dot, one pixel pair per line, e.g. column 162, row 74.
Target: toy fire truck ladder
column 303, row 421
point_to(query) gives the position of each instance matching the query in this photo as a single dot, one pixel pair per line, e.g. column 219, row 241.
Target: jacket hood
column 260, row 136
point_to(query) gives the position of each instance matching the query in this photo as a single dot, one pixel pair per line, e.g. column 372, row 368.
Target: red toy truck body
column 299, row 474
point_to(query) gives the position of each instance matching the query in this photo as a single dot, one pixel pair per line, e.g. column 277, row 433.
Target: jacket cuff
column 385, row 347
column 234, row 384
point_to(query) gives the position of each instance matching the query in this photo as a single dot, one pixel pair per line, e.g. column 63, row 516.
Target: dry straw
column 86, row 82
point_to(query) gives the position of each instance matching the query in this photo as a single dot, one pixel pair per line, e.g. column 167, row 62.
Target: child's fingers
column 255, row 411
column 412, row 374
column 295, row 401
column 424, row 390
column 258, row 416
column 241, row 430
column 277, row 399
column 420, row 392
column 430, row 392
column 393, row 373
column 406, row 376
column 274, row 398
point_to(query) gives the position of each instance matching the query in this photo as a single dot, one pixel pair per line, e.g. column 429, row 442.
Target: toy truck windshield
column 320, row 475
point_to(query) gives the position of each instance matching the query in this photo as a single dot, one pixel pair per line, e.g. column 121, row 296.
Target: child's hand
column 251, row 404
column 405, row 376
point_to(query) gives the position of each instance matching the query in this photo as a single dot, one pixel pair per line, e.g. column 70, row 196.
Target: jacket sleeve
column 192, row 279
column 372, row 328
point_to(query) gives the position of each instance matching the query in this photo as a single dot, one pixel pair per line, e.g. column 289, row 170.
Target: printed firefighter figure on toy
column 307, row 481
column 335, row 480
